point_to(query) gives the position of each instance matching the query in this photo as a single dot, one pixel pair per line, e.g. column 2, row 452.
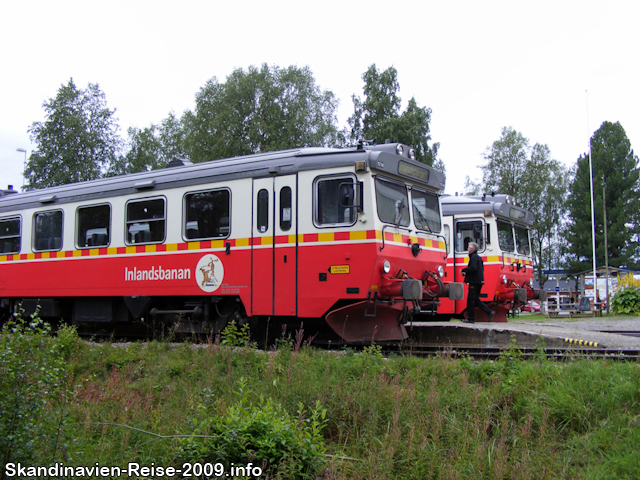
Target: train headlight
column 399, row 149
column 504, row 279
column 440, row 271
column 386, row 266
column 412, row 154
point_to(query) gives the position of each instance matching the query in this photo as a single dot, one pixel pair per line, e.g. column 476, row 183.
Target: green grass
column 401, row 417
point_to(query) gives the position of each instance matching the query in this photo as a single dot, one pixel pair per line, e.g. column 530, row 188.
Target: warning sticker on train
column 338, row 269
column 209, row 273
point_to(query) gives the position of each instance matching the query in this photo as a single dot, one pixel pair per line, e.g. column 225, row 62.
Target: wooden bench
column 582, row 313
column 597, row 309
column 555, row 312
column 573, row 312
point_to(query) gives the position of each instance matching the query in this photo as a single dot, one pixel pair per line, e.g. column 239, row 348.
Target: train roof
column 383, row 158
column 496, row 204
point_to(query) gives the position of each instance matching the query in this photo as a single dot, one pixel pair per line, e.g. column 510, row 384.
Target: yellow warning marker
column 581, row 342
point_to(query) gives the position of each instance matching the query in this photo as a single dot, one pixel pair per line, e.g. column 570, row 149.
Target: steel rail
column 488, row 353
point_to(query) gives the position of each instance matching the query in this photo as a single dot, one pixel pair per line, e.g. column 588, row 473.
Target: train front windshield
column 393, row 206
column 513, row 238
column 393, row 202
column 426, row 211
column 522, row 240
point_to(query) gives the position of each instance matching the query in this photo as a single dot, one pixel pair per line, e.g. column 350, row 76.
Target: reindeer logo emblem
column 209, row 273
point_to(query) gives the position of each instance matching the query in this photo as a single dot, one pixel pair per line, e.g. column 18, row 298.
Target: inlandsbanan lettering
column 156, row 273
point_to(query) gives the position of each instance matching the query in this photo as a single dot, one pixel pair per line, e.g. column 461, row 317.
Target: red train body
column 350, row 237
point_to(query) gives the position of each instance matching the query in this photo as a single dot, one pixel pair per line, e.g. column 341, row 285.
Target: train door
column 274, row 246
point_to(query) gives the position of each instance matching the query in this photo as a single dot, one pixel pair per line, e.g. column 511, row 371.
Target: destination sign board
column 413, row 171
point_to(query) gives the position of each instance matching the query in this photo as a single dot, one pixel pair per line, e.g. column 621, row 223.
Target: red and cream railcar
column 350, row 237
column 501, row 229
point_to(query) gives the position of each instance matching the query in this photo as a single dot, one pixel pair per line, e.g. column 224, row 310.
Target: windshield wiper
column 424, row 221
column 402, row 208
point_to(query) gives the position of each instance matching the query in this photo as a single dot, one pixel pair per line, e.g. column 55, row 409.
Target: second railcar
column 501, row 229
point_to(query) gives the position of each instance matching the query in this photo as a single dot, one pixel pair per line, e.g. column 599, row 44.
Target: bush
column 234, row 336
column 626, row 300
column 264, row 435
column 33, row 374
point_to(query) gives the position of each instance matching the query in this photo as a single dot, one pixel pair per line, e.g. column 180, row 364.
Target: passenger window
column 146, row 221
column 467, row 232
column 207, row 214
column 285, row 209
column 263, row 211
column 335, row 201
column 94, row 226
column 47, row 231
column 10, row 235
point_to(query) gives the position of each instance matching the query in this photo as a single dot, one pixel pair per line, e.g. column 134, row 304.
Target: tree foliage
column 506, row 165
column 615, row 167
column 378, row 116
column 260, row 110
column 537, row 182
column 546, row 183
column 77, row 141
column 152, row 147
column 472, row 187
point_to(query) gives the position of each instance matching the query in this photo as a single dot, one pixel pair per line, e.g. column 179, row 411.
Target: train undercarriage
column 378, row 319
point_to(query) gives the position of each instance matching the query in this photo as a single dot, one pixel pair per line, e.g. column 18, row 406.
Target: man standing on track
column 474, row 277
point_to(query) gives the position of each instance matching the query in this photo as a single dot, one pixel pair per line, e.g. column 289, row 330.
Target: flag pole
column 593, row 212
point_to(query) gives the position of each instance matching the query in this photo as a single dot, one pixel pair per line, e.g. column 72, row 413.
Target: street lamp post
column 22, row 150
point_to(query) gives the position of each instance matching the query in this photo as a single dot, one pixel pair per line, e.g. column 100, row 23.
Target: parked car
column 531, row 307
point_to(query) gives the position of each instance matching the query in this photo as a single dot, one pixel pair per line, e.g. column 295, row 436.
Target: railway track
column 467, row 351
column 448, row 350
column 494, row 353
column 626, row 333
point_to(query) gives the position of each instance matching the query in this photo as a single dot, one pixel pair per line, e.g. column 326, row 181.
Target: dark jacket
column 474, row 272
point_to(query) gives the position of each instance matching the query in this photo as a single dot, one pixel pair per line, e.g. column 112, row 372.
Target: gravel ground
column 589, row 329
column 596, row 329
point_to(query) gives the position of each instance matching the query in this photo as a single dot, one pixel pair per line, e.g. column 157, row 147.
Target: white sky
column 479, row 66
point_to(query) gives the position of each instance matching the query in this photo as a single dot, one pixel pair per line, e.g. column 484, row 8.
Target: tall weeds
column 399, row 417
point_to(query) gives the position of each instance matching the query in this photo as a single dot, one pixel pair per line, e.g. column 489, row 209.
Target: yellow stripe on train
column 357, row 235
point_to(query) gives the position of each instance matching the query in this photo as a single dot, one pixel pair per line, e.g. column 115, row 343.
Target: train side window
column 93, row 226
column 285, row 209
column 207, row 214
column 505, row 236
column 146, row 221
column 467, row 232
column 447, row 237
column 10, row 235
column 335, row 201
column 263, row 211
column 47, row 231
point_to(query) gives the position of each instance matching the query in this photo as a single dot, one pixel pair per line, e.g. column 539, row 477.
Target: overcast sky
column 479, row 66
